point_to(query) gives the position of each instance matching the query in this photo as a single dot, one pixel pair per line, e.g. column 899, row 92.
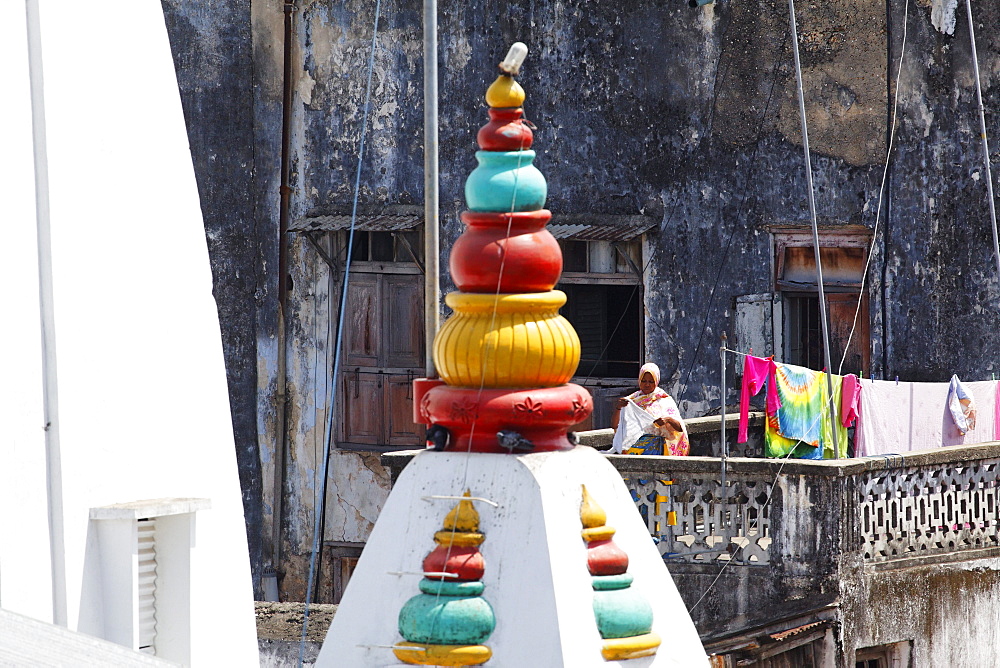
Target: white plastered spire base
column 536, row 575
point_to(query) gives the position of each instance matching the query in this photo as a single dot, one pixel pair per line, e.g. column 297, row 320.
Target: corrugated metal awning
column 379, row 223
column 588, row 228
column 796, row 631
column 605, row 228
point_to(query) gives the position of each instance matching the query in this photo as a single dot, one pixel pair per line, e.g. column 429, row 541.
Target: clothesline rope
column 870, row 379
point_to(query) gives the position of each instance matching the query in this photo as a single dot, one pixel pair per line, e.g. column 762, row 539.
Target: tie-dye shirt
column 804, row 423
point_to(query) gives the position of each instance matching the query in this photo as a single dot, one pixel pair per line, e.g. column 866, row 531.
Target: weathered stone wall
column 939, row 289
column 949, row 612
column 686, row 114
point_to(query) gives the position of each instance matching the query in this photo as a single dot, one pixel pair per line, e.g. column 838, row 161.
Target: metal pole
column 724, row 450
column 432, row 274
column 281, row 377
column 50, row 386
column 815, row 230
column 982, row 134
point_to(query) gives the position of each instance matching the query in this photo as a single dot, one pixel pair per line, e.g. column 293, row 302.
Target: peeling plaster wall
column 688, row 115
column 940, row 282
column 950, row 612
column 265, row 100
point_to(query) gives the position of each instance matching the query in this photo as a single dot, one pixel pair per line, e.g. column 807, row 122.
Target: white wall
column 22, row 439
column 143, row 403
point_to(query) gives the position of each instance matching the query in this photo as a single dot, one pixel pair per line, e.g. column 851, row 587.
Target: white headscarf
column 652, row 370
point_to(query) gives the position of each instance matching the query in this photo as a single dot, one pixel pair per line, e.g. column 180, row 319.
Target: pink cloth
column 850, row 400
column 756, row 370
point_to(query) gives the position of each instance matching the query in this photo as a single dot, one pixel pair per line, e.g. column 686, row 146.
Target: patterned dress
column 661, row 440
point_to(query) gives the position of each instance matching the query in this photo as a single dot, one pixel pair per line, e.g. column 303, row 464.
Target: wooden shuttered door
column 402, row 343
column 362, row 398
column 384, row 345
column 362, row 321
column 842, row 309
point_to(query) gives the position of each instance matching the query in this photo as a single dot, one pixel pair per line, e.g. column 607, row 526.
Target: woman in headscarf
column 667, row 435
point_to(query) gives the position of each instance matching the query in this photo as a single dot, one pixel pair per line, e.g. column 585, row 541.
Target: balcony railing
column 913, row 509
column 919, row 504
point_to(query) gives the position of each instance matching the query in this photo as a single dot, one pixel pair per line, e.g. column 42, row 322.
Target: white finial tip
column 512, row 63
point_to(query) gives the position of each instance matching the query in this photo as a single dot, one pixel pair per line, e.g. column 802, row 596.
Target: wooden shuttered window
column 844, row 252
column 384, row 344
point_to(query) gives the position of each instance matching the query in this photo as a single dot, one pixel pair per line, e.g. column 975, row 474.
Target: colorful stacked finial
column 447, row 623
column 624, row 616
column 505, row 357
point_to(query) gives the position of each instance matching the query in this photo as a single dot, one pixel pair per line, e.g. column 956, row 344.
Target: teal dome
column 622, row 613
column 505, row 181
column 446, row 620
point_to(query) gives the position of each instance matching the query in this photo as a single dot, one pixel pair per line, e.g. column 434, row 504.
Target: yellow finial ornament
column 591, row 514
column 463, row 517
column 461, row 525
column 505, row 92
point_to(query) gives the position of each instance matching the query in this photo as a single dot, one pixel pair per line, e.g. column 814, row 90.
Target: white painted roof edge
column 26, row 641
column 149, row 508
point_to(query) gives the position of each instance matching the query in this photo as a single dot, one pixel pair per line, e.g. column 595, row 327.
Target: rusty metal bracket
column 330, row 261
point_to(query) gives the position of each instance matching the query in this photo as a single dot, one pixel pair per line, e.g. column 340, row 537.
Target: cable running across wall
column 823, row 318
column 739, row 210
column 982, row 130
column 340, row 334
column 881, row 190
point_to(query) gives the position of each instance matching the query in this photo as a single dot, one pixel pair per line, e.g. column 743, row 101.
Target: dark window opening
column 380, row 245
column 386, row 246
column 359, row 251
column 574, row 255
column 804, row 331
column 608, row 320
column 805, row 341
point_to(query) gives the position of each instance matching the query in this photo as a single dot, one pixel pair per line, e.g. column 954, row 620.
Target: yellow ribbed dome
column 526, row 344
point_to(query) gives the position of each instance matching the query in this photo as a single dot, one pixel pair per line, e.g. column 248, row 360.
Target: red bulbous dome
column 506, row 131
column 606, row 558
column 465, row 562
column 532, row 261
column 474, row 417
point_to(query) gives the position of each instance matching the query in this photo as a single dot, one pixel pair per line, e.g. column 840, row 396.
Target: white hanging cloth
column 633, row 422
